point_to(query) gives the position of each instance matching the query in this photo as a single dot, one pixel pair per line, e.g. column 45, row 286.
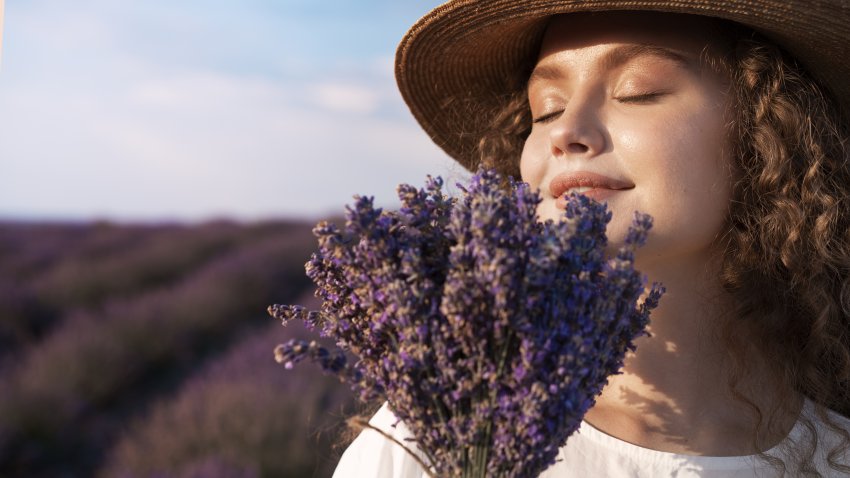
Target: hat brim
column 472, row 52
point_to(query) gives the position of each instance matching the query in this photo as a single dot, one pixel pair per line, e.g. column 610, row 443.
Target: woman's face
column 625, row 96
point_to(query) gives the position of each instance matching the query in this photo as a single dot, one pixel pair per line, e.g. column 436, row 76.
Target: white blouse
column 587, row 453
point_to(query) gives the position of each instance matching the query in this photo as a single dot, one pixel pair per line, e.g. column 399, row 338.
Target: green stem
column 482, row 459
column 479, row 452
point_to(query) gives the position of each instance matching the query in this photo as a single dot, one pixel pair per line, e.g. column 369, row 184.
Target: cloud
column 195, row 144
column 346, row 98
column 94, row 128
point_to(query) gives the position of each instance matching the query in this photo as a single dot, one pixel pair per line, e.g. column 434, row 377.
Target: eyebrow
column 614, row 58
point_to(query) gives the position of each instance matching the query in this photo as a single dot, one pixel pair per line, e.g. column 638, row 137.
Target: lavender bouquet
column 489, row 332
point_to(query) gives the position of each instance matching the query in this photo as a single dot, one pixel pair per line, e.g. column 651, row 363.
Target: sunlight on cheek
column 532, row 164
column 629, row 139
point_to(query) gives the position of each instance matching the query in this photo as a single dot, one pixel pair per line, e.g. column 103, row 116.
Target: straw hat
column 474, row 50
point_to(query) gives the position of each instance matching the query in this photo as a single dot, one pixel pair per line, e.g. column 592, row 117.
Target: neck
column 673, row 394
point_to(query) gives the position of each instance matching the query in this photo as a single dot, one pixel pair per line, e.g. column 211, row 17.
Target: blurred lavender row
column 147, row 351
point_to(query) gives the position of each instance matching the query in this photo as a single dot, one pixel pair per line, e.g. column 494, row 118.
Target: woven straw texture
column 474, row 52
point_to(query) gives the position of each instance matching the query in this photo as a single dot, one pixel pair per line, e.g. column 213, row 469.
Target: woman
column 699, row 115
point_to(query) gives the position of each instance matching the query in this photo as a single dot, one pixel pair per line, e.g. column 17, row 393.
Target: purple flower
column 489, row 332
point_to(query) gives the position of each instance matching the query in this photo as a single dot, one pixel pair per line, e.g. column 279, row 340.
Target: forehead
column 688, row 34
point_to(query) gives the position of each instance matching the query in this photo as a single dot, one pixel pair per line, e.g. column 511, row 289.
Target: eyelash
column 547, row 117
column 642, row 98
column 634, row 99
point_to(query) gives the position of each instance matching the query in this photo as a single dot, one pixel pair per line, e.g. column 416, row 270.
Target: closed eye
column 547, row 117
column 642, row 98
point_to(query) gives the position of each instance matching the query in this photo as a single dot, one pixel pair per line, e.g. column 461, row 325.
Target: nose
column 577, row 131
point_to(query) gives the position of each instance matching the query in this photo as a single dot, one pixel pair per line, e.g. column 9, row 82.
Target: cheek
column 682, row 153
column 532, row 164
column 683, row 163
column 701, row 155
column 532, row 167
column 694, row 192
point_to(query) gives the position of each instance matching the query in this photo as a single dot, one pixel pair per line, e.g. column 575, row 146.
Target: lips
column 603, row 186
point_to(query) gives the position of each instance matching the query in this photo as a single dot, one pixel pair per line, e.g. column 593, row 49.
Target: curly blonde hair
column 785, row 253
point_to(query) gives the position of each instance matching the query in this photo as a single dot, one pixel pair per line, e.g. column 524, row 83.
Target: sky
column 195, row 110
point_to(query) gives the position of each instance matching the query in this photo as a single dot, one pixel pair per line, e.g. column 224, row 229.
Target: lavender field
column 146, row 350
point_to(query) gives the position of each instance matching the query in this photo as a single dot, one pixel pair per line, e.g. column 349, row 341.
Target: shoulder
column 832, row 426
column 831, row 430
column 375, row 456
